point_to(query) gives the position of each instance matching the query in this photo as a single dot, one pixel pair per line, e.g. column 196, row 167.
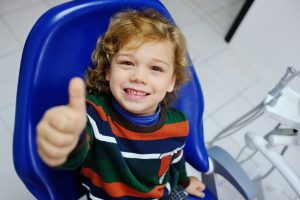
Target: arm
column 191, row 184
column 59, row 130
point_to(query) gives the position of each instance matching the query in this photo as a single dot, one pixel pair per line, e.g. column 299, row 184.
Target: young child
column 126, row 141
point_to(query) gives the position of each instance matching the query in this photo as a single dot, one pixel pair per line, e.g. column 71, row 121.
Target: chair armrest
column 227, row 167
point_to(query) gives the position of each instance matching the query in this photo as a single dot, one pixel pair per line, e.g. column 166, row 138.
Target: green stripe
column 174, row 116
column 112, row 168
column 99, row 101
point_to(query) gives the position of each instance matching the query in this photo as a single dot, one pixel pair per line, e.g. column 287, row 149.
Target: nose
column 139, row 75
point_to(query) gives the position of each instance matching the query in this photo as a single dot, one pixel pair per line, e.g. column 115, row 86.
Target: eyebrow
column 158, row 60
column 154, row 59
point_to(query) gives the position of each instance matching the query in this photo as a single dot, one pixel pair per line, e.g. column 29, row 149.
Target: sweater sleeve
column 179, row 165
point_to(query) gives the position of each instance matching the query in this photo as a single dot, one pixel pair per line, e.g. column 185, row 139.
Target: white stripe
column 140, row 156
column 90, row 194
column 162, row 178
column 178, row 158
column 153, row 155
column 171, row 153
column 168, row 187
column 109, row 139
column 98, row 135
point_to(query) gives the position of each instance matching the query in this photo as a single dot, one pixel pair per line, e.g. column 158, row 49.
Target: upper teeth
column 137, row 93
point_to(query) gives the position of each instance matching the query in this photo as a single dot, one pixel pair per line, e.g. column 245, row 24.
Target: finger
column 202, row 194
column 77, row 94
column 198, row 193
column 61, row 118
column 50, row 161
column 53, row 155
column 200, row 189
column 55, row 137
column 201, row 186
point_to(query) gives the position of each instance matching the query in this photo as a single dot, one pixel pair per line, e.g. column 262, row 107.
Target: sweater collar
column 135, row 119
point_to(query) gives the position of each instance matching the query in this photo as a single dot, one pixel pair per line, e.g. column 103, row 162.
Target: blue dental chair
column 58, row 48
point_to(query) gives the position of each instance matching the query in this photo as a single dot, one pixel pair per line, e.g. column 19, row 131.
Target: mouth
column 134, row 92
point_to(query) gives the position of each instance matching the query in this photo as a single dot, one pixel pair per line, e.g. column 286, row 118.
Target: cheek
column 162, row 86
column 116, row 79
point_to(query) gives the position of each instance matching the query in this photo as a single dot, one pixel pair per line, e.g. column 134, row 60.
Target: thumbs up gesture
column 59, row 130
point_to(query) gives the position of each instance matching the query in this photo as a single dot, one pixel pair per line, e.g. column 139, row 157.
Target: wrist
column 185, row 183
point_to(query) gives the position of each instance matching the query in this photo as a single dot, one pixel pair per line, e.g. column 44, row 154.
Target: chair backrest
column 58, row 48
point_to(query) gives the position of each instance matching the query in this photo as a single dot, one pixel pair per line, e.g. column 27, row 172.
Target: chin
column 139, row 112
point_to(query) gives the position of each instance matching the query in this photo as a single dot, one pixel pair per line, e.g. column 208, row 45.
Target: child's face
column 139, row 78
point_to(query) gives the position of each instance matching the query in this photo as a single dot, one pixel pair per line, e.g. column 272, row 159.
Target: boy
column 124, row 138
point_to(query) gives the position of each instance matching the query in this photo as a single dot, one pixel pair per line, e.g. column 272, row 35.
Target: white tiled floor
column 230, row 84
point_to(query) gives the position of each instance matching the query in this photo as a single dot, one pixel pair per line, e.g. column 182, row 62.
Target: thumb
column 77, row 94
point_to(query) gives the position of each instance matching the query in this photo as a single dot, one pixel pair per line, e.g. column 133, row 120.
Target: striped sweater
column 121, row 160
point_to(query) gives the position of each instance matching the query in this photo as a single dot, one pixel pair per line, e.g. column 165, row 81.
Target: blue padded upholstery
column 58, row 48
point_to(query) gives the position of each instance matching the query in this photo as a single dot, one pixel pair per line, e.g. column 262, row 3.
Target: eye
column 157, row 68
column 126, row 63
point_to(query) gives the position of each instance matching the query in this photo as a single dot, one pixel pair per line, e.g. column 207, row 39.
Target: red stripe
column 179, row 129
column 119, row 189
column 99, row 110
column 164, row 164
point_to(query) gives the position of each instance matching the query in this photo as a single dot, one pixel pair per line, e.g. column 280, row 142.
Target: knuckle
column 60, row 123
column 64, row 140
column 60, row 141
column 55, row 154
column 40, row 127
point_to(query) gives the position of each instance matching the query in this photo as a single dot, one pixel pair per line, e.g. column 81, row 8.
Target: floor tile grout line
column 208, row 13
column 225, row 6
column 210, row 23
column 48, row 3
column 7, row 105
column 232, row 86
column 9, row 53
column 210, row 114
column 213, row 24
column 6, row 126
column 27, row 6
column 12, row 32
column 235, row 2
column 238, row 94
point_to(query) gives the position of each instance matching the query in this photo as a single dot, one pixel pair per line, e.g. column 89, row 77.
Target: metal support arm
column 256, row 141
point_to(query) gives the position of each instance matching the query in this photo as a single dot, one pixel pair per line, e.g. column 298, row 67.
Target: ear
column 172, row 84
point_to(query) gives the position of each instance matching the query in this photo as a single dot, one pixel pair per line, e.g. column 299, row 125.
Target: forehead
column 157, row 46
column 162, row 51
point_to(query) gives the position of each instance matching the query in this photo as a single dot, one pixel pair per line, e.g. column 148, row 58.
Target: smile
column 136, row 92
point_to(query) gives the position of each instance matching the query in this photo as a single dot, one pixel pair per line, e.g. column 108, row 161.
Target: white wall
column 270, row 35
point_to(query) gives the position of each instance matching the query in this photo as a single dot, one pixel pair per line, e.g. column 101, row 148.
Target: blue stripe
column 148, row 147
column 138, row 146
column 103, row 126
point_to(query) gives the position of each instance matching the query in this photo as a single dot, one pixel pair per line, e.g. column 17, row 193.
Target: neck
column 136, row 119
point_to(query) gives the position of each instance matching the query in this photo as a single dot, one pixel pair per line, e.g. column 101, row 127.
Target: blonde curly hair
column 144, row 25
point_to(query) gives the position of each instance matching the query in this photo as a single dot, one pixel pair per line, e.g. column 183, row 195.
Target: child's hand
column 59, row 130
column 195, row 187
